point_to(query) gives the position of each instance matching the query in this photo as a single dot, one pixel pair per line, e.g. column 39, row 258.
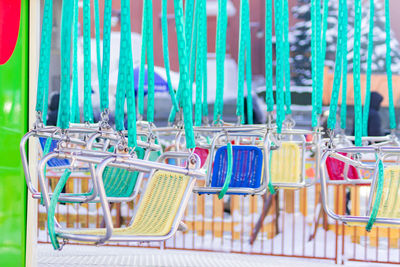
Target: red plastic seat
column 336, row 169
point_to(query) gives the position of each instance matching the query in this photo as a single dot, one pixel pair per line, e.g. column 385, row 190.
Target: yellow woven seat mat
column 390, row 201
column 286, row 164
column 157, row 210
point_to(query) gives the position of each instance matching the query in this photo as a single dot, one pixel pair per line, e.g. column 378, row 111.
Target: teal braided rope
column 269, row 94
column 122, row 70
column 378, row 197
column 343, row 106
column 369, row 64
column 75, row 112
column 105, row 68
column 280, row 100
column 97, row 34
column 164, row 29
column 322, row 55
column 199, row 62
column 228, row 177
column 87, row 64
column 338, row 68
column 65, row 86
column 192, row 57
column 204, row 55
column 318, row 57
column 150, row 62
column 249, row 99
column 357, row 76
column 241, row 62
column 130, row 88
column 392, row 115
column 314, row 62
column 184, row 74
column 286, row 57
column 222, row 21
column 142, row 69
column 44, row 60
column 271, row 188
column 189, row 11
column 188, row 24
column 52, row 208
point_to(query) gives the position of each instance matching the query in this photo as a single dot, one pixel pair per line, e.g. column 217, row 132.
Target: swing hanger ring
column 39, row 121
column 289, row 122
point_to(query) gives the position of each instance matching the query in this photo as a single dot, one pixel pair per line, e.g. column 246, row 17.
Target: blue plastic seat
column 246, row 171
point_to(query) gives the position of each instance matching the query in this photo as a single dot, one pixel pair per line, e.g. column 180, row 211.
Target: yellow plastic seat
column 158, row 208
column 390, row 201
column 286, row 164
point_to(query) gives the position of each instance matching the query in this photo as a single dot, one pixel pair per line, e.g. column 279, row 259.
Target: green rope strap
column 52, row 208
column 340, row 57
column 203, row 29
column 87, row 79
column 222, row 21
column 357, row 76
column 122, row 73
column 280, row 54
column 150, row 63
column 271, row 188
column 147, row 52
column 164, row 28
column 249, row 99
column 44, row 61
column 200, row 60
column 343, row 106
column 314, row 62
column 241, row 61
column 192, row 58
column 142, row 60
column 269, row 95
column 189, row 14
column 130, row 89
column 75, row 112
column 378, row 197
column 318, row 55
column 322, row 52
column 228, row 176
column 184, row 74
column 97, row 34
column 188, row 34
column 65, row 86
column 286, row 57
column 392, row 115
column 190, row 41
column 105, row 68
column 369, row 64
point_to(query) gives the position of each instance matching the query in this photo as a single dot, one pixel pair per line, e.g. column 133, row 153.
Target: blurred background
column 300, row 44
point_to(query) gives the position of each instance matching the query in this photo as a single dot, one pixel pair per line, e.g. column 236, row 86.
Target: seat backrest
column 286, row 163
column 390, row 200
column 120, row 182
column 203, row 155
column 247, row 167
column 160, row 203
column 336, row 168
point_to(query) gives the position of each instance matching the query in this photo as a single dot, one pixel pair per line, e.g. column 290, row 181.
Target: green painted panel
column 13, row 124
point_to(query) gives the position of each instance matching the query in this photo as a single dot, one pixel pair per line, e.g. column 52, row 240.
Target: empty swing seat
column 286, row 164
column 336, row 169
column 159, row 212
column 389, row 206
column 246, row 169
column 119, row 182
